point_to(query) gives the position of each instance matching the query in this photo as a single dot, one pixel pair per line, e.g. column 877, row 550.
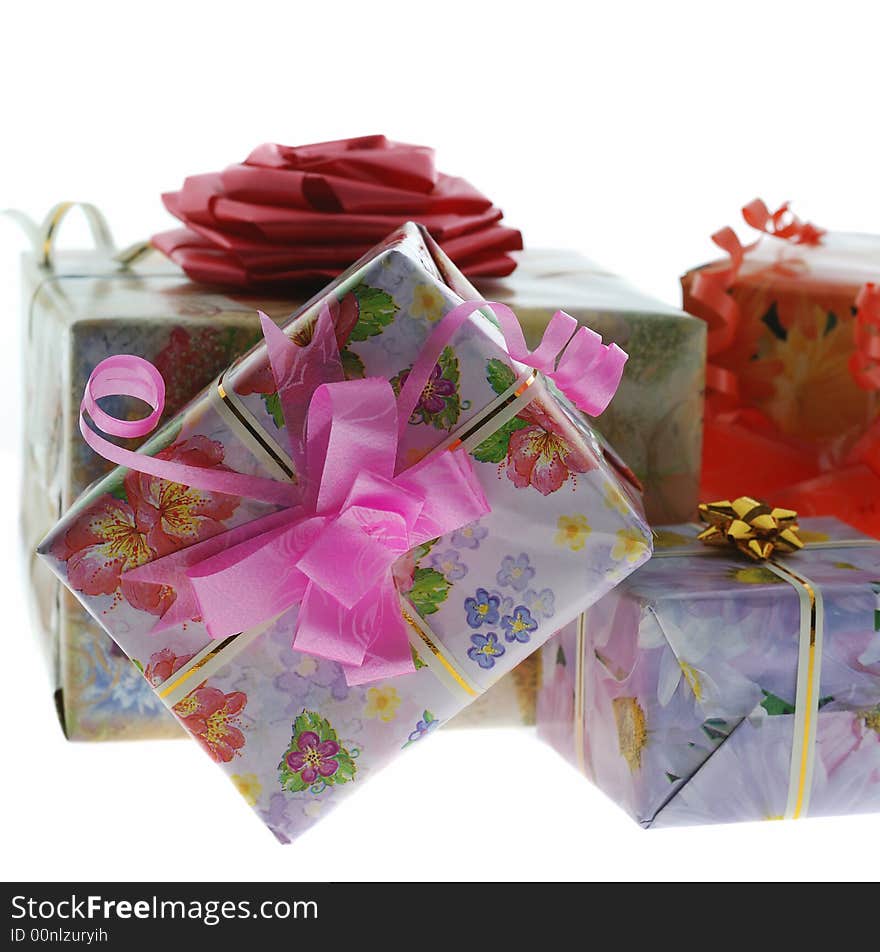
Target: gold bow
column 752, row 527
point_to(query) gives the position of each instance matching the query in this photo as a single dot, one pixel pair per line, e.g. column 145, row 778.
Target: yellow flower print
column 754, row 575
column 667, row 539
column 808, row 536
column 614, row 499
column 632, row 730
column 572, row 531
column 630, row 545
column 872, row 719
column 815, row 395
column 307, row 666
column 248, row 786
column 382, row 703
column 427, row 302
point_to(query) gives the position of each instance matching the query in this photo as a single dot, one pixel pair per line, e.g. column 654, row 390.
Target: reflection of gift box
column 85, row 307
column 287, row 727
column 691, row 694
column 793, row 368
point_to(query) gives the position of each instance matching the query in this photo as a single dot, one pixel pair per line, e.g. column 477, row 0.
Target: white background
column 629, row 131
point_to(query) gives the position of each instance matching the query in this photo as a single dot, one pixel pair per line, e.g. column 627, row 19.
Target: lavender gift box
column 677, row 693
column 286, row 727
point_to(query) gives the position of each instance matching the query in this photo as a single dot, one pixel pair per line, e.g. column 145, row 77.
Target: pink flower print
column 103, row 542
column 433, row 398
column 212, row 717
column 314, row 757
column 175, row 516
column 163, row 664
column 539, row 455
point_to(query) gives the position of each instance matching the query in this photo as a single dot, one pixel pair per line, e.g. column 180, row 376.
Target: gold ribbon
column 752, row 527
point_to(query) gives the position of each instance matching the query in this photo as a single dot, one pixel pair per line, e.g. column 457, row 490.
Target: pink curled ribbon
column 331, row 546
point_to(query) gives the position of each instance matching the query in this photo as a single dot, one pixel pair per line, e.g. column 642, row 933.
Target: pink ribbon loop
column 329, row 552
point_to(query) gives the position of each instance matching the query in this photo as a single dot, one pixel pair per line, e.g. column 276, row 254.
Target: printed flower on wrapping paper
column 425, row 726
column 515, row 572
column 314, row 754
column 152, row 518
column 306, row 674
column 482, row 609
column 213, row 718
column 449, row 564
column 193, row 357
column 439, row 403
column 541, row 604
column 427, row 302
column 425, row 587
column 572, row 531
column 469, row 536
column 163, row 664
column 505, row 602
column 630, row 546
column 382, row 702
column 519, row 626
column 485, row 649
column 249, row 786
column 615, row 500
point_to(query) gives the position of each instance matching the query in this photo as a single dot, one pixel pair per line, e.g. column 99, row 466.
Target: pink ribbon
column 353, row 513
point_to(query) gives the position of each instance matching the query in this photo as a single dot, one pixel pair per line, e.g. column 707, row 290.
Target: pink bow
column 352, row 514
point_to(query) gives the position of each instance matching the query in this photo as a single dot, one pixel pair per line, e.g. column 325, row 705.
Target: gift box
column 83, row 306
column 793, row 367
column 150, row 558
column 712, row 688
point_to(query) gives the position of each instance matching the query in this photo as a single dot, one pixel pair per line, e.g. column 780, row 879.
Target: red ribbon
column 864, row 364
column 293, row 216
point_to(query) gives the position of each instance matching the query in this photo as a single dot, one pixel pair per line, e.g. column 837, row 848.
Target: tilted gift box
column 285, row 725
column 83, row 306
column 708, row 688
column 793, row 379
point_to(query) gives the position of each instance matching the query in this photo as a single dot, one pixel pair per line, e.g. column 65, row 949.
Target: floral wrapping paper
column 793, row 426
column 688, row 674
column 88, row 308
column 283, row 725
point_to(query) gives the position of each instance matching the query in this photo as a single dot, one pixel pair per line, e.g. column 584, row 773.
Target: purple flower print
column 314, row 757
column 469, row 536
column 505, row 602
column 277, row 818
column 304, row 673
column 427, row 724
column 518, row 626
column 483, row 609
column 515, row 572
column 485, row 649
column 541, row 604
column 449, row 564
column 433, row 398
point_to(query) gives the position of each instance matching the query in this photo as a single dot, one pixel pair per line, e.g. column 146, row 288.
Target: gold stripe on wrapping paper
column 806, row 706
column 259, row 439
column 445, row 668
